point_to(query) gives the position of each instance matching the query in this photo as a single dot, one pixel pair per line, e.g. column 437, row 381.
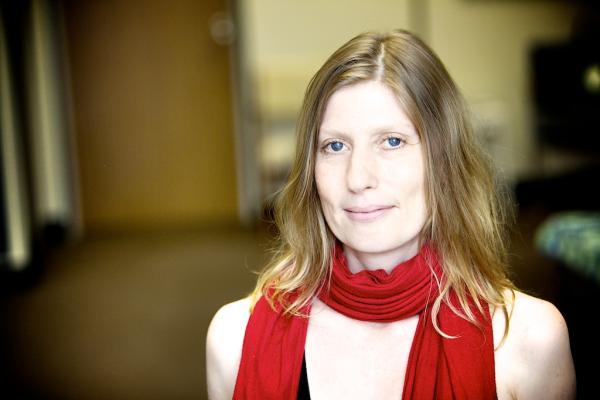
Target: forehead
column 369, row 105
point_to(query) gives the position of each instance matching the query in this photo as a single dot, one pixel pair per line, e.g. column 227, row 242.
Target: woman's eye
column 335, row 146
column 394, row 141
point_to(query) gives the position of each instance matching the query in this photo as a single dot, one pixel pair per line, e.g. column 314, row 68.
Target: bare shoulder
column 224, row 342
column 535, row 359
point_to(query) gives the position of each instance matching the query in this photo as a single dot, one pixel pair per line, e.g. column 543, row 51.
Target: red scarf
column 438, row 368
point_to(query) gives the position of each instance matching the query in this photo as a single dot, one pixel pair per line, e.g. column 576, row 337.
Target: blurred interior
column 142, row 142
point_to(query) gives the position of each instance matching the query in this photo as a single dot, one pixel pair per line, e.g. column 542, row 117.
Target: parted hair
column 467, row 214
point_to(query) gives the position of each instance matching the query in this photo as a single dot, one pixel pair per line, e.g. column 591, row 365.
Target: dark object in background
column 16, row 238
column 566, row 100
column 573, row 190
column 38, row 193
column 566, row 91
column 565, row 94
column 578, row 300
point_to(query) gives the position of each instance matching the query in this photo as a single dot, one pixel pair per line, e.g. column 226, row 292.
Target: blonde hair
column 467, row 214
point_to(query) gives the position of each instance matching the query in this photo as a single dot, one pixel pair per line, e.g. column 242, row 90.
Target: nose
column 361, row 173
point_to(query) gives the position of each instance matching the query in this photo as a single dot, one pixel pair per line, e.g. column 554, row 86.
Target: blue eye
column 394, row 141
column 336, row 146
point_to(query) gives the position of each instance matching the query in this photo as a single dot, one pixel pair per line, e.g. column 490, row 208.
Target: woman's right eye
column 334, row 147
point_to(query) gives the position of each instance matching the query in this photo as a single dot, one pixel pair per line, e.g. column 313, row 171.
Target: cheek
column 418, row 197
column 323, row 180
column 406, row 182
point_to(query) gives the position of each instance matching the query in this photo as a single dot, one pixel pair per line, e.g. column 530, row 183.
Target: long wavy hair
column 467, row 214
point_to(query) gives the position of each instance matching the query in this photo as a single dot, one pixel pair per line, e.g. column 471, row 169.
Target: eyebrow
column 402, row 129
column 332, row 132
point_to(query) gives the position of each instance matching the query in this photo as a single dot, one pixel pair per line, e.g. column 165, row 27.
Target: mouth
column 366, row 214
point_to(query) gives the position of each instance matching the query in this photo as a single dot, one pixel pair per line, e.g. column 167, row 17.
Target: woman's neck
column 387, row 260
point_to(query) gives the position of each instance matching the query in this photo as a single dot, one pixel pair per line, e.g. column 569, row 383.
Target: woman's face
column 369, row 172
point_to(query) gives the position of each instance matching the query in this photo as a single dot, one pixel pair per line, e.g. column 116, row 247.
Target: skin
column 370, row 176
column 369, row 173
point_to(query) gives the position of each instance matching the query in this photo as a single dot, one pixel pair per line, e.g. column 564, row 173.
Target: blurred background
column 141, row 142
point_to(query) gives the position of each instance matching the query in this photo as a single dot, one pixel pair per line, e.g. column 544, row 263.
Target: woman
column 390, row 277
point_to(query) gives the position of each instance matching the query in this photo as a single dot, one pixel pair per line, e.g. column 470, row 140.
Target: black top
column 303, row 392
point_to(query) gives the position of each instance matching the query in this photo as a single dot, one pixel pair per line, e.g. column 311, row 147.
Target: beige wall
column 287, row 41
column 152, row 113
column 485, row 46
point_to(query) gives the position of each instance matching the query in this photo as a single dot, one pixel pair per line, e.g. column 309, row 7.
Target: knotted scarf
column 438, row 367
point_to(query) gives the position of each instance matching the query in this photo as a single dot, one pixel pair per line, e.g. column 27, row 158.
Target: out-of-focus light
column 591, row 79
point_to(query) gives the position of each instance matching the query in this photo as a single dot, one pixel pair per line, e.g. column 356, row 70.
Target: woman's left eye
column 393, row 141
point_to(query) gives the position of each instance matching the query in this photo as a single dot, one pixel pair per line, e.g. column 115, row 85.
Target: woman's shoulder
column 535, row 323
column 534, row 360
column 224, row 342
column 236, row 312
column 530, row 315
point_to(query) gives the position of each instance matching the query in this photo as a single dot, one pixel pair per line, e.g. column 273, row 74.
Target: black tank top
column 303, row 392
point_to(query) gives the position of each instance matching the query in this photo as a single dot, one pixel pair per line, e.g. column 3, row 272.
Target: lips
column 366, row 214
